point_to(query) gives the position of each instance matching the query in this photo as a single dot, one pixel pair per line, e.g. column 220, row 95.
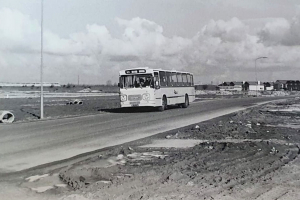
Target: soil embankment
column 234, row 157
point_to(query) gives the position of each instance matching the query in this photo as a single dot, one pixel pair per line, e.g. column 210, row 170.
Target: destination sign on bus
column 136, row 71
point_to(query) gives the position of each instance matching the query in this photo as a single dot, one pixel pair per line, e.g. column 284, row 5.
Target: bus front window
column 137, row 81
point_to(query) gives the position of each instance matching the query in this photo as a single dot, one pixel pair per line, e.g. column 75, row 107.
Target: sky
column 216, row 40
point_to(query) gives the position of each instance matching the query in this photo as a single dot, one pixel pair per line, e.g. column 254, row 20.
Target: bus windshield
column 136, row 81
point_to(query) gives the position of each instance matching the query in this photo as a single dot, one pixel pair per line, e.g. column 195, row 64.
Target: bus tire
column 164, row 105
column 186, row 102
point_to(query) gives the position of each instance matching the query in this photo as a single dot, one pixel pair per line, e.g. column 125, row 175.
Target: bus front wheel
column 164, row 105
column 186, row 102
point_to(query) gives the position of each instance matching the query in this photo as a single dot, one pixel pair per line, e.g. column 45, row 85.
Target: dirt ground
column 28, row 109
column 95, row 99
column 251, row 154
column 71, row 88
column 217, row 94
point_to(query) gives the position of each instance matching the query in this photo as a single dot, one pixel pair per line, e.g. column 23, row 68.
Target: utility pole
column 256, row 73
column 42, row 89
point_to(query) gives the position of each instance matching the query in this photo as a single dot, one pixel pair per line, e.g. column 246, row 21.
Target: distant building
column 280, row 85
column 253, row 86
column 242, row 86
column 290, row 85
column 206, row 87
column 232, row 86
column 238, row 85
column 29, row 84
column 269, row 86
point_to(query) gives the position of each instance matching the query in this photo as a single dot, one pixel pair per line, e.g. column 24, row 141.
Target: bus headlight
column 123, row 97
column 146, row 96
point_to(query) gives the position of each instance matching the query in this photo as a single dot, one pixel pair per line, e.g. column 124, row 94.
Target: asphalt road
column 26, row 145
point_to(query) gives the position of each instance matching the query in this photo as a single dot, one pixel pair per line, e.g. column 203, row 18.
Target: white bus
column 159, row 88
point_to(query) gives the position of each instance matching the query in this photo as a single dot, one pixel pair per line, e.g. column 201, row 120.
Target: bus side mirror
column 156, row 86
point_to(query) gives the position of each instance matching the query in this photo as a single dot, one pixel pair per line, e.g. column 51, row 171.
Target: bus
column 145, row 87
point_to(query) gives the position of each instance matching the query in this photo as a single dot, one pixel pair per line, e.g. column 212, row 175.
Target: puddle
column 107, row 162
column 61, row 185
column 42, row 189
column 181, row 143
column 293, row 108
column 36, row 177
column 42, row 183
column 294, row 126
column 174, row 143
column 119, row 160
column 286, row 110
column 105, row 182
column 146, row 156
column 74, row 197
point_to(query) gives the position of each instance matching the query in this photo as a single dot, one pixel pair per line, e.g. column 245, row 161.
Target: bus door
column 156, row 81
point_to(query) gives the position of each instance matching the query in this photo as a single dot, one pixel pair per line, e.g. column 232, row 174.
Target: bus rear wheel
column 186, row 102
column 164, row 105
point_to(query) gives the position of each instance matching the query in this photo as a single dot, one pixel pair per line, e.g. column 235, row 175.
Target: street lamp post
column 42, row 89
column 256, row 72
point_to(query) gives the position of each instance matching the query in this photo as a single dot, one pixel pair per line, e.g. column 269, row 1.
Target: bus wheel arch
column 186, row 101
column 164, row 102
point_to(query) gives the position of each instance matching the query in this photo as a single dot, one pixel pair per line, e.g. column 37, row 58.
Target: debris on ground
column 6, row 116
column 221, row 158
column 75, row 102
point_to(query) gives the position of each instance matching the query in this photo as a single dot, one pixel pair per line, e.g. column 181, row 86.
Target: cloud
column 225, row 50
column 233, row 30
column 123, row 58
column 221, row 50
column 93, row 52
column 275, row 32
column 282, row 32
column 18, row 30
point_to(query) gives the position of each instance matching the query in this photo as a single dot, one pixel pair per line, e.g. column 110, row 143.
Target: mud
column 240, row 156
column 28, row 109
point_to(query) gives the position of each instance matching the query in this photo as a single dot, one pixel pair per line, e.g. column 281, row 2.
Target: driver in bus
column 142, row 82
column 136, row 84
column 147, row 82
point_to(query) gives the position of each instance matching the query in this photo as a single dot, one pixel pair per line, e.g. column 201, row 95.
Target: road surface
column 26, row 145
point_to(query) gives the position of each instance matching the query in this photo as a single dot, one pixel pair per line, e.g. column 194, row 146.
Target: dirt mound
column 235, row 151
column 208, row 166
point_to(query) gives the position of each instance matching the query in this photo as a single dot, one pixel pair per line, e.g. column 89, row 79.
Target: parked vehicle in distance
column 141, row 87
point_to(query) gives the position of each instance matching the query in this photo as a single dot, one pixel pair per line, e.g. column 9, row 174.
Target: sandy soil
column 28, row 109
column 63, row 89
column 216, row 94
column 241, row 156
column 24, row 102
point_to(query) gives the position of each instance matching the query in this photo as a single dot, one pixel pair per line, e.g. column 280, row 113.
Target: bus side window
column 192, row 78
column 179, row 79
column 174, row 79
column 184, row 80
column 189, row 79
column 169, row 78
column 163, row 78
column 120, row 82
column 156, row 78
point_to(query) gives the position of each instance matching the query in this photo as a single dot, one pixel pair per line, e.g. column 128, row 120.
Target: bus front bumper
column 127, row 104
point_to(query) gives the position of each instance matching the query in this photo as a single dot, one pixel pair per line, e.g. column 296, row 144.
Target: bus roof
column 145, row 70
